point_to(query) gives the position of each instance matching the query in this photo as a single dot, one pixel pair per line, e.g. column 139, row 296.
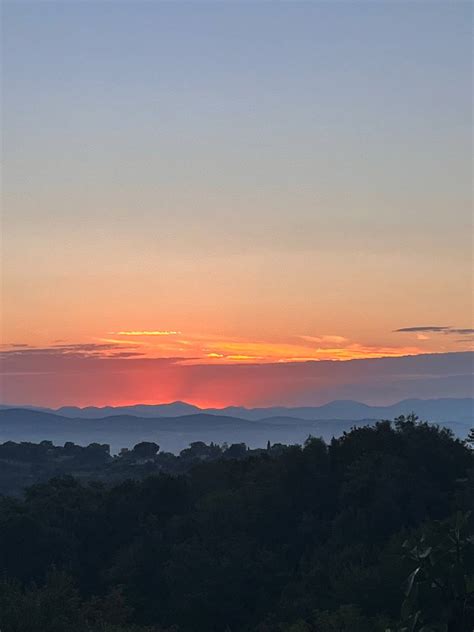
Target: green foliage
column 440, row 588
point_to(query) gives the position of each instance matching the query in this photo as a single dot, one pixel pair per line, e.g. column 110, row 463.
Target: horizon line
column 249, row 408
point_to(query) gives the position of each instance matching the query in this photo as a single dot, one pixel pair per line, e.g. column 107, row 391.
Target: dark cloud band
column 444, row 329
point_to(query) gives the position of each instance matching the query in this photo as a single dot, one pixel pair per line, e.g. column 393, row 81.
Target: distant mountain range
column 171, row 433
column 436, row 410
column 173, row 426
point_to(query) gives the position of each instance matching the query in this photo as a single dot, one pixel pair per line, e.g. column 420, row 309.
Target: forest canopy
column 371, row 532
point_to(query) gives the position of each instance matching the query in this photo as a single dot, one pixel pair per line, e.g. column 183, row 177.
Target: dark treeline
column 25, row 464
column 369, row 533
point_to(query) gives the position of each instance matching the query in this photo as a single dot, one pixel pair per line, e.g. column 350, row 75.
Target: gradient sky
column 198, row 184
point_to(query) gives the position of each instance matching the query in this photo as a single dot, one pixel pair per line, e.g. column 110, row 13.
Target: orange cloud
column 223, row 351
column 145, row 333
column 201, row 349
column 325, row 338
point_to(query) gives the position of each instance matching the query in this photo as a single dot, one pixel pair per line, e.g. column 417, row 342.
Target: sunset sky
column 201, row 199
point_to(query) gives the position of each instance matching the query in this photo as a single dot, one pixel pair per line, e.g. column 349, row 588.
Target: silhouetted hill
column 174, row 433
column 436, row 410
column 174, row 409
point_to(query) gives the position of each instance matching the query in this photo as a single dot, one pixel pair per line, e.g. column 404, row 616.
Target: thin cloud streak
column 424, row 328
column 79, row 350
column 325, row 338
column 145, row 333
column 444, row 329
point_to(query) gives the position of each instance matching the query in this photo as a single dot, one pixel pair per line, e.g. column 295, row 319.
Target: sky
column 197, row 195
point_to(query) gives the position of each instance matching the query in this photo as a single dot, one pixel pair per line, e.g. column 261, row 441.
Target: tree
column 440, row 588
column 145, row 450
column 470, row 438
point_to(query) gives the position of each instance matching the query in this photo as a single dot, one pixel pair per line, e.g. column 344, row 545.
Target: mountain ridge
column 174, row 433
column 434, row 409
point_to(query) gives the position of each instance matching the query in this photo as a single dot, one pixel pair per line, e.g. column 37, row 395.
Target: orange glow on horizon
column 207, row 370
column 85, row 375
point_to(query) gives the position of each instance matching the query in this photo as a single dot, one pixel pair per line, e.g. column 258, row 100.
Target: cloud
column 321, row 348
column 61, row 362
column 424, row 328
column 216, row 350
column 79, row 350
column 145, row 333
column 84, row 347
column 443, row 329
column 331, row 338
column 126, row 354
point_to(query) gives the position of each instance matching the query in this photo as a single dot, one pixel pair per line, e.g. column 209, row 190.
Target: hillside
column 176, row 433
column 439, row 410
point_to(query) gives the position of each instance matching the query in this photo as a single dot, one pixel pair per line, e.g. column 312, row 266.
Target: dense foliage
column 367, row 534
column 25, row 464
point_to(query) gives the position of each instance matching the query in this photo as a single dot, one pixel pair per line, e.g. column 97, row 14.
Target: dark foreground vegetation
column 370, row 533
column 25, row 464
